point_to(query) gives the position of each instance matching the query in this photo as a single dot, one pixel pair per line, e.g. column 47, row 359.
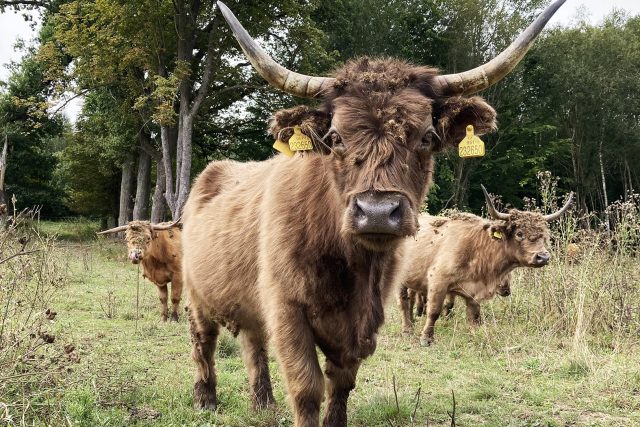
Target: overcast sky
column 14, row 26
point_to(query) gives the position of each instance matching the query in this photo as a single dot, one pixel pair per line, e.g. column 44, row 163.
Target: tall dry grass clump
column 32, row 358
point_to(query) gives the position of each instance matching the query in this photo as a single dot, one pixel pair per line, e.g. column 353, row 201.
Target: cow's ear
column 454, row 115
column 497, row 231
column 312, row 122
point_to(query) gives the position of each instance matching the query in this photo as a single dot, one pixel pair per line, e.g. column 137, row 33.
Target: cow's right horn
column 485, row 75
column 114, row 230
column 175, row 223
column 277, row 75
column 558, row 214
column 491, row 208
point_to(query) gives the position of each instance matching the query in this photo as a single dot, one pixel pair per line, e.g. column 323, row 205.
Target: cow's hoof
column 426, row 342
column 164, row 317
column 174, row 317
column 205, row 406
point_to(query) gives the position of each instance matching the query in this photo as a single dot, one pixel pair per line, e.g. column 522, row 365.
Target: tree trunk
column 4, row 209
column 126, row 187
column 159, row 204
column 141, row 206
column 3, row 168
column 604, row 187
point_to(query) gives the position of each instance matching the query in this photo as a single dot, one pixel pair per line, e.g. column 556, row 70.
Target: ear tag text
column 497, row 234
column 283, row 148
column 471, row 145
column 299, row 141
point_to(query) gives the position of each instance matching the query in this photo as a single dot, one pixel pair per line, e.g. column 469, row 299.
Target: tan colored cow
column 470, row 257
column 158, row 248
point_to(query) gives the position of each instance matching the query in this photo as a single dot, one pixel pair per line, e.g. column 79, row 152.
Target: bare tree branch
column 208, row 69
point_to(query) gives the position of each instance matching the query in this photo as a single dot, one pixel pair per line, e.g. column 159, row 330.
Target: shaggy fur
column 279, row 256
column 160, row 253
column 461, row 256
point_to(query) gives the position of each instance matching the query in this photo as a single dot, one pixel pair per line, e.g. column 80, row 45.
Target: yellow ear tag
column 471, row 145
column 283, row 148
column 497, row 234
column 299, row 141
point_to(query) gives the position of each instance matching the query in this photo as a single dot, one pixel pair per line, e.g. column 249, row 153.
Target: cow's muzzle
column 541, row 259
column 135, row 256
column 380, row 214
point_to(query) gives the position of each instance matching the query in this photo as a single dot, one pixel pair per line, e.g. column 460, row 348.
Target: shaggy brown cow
column 418, row 299
column 303, row 250
column 158, row 248
column 470, row 257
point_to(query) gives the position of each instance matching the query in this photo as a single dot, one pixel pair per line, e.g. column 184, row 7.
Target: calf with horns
column 470, row 257
column 158, row 248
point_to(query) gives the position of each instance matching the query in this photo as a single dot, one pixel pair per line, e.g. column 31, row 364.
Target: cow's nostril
column 359, row 210
column 396, row 213
column 542, row 257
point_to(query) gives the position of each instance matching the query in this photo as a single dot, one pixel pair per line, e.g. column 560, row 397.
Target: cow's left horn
column 277, row 75
column 114, row 230
column 491, row 208
column 562, row 211
column 480, row 78
column 175, row 223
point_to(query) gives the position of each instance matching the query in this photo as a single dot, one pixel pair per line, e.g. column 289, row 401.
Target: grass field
column 562, row 350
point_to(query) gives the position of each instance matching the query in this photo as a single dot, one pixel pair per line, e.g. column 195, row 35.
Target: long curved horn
column 491, row 208
column 558, row 214
column 115, row 229
column 480, row 78
column 158, row 227
column 277, row 75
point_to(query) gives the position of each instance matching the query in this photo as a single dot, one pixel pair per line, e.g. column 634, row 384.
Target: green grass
column 526, row 365
column 77, row 230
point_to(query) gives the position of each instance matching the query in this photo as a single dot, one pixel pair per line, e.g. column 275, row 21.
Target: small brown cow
column 303, row 250
column 158, row 248
column 470, row 257
column 418, row 299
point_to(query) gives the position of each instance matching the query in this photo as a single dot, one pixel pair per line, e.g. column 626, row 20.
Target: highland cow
column 470, row 257
column 304, row 249
column 158, row 248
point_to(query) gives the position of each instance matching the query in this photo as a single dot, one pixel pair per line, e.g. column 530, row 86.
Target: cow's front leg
column 254, row 353
column 296, row 352
column 176, row 294
column 204, row 336
column 405, row 314
column 163, row 294
column 473, row 312
column 435, row 301
column 340, row 381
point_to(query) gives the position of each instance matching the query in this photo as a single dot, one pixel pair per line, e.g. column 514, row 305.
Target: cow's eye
column 333, row 139
column 519, row 235
column 428, row 142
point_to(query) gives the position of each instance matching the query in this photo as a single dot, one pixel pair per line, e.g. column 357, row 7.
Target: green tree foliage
column 34, row 140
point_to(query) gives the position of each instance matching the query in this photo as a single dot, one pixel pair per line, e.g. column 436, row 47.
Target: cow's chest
column 345, row 312
column 157, row 273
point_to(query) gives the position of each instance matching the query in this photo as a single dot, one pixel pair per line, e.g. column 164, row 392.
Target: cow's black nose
column 542, row 258
column 379, row 213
